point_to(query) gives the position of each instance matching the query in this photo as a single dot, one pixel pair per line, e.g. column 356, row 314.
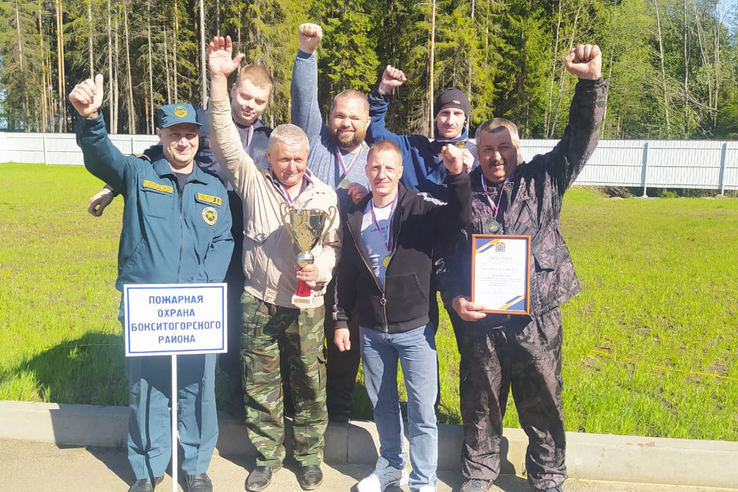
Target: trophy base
column 301, row 300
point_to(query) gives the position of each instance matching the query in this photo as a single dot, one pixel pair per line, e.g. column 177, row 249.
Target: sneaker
column 476, row 485
column 427, row 488
column 382, row 477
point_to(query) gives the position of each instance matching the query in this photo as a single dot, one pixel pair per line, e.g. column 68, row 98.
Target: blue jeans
column 416, row 351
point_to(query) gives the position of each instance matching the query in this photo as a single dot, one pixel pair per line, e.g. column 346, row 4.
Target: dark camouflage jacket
column 531, row 205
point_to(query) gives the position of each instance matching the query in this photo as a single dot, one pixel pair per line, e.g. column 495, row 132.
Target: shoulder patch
column 215, row 200
column 158, row 187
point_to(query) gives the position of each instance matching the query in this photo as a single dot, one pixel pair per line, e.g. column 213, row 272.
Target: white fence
column 700, row 164
column 61, row 148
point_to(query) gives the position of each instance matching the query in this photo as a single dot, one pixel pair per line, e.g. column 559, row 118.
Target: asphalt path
column 37, row 466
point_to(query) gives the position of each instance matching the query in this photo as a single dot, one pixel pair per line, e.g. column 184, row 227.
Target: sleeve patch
column 158, row 187
column 214, row 200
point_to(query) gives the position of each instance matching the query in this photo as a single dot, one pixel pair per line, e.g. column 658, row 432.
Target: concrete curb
column 589, row 456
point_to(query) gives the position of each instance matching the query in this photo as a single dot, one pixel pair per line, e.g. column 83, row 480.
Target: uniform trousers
column 270, row 333
column 522, row 355
column 149, row 419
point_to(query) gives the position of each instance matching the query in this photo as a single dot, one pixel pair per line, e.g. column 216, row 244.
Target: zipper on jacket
column 383, row 300
column 181, row 231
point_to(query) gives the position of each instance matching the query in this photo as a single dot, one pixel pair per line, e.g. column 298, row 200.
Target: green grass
column 650, row 345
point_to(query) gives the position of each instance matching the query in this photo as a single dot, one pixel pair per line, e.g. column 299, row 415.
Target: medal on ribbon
column 344, row 181
column 493, row 226
column 387, row 238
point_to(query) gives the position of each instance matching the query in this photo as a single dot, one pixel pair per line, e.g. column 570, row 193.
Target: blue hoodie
column 427, row 173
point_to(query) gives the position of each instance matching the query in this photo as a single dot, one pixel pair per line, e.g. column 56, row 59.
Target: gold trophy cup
column 307, row 227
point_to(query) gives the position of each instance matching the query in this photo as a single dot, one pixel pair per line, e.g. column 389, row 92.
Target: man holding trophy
column 288, row 211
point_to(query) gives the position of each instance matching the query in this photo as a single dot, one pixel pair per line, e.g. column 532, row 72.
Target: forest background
column 672, row 64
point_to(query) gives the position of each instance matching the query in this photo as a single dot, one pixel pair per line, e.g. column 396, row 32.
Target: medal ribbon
column 387, row 240
column 250, row 134
column 351, row 166
column 248, row 138
column 290, row 201
column 495, row 208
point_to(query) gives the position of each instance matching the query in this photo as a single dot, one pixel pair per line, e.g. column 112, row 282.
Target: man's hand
column 220, row 57
column 468, row 159
column 221, row 63
column 357, row 192
column 87, row 96
column 467, row 310
column 584, row 61
column 342, row 339
column 99, row 202
column 309, row 36
column 391, row 78
column 453, row 158
column 308, row 273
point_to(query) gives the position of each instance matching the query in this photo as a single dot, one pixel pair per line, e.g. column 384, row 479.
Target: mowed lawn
column 650, row 345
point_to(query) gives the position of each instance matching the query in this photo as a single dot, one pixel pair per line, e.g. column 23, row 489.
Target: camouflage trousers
column 524, row 355
column 269, row 333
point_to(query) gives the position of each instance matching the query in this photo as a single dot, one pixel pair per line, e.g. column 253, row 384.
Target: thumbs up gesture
column 87, row 96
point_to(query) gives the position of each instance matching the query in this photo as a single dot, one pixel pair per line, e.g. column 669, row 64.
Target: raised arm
column 305, row 111
column 225, row 142
column 587, row 109
column 101, row 157
column 378, row 106
column 456, row 214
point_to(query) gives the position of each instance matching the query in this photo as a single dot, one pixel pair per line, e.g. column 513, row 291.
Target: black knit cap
column 451, row 98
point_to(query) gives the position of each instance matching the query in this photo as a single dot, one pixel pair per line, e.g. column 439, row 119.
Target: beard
column 347, row 141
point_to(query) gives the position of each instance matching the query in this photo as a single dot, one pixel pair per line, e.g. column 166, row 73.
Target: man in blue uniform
column 176, row 229
column 250, row 95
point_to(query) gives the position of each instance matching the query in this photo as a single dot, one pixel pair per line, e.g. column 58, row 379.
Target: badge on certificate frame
column 501, row 273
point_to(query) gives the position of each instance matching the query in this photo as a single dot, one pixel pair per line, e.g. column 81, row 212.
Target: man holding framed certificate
column 504, row 280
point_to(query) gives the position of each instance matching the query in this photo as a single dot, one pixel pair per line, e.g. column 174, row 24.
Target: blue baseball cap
column 176, row 114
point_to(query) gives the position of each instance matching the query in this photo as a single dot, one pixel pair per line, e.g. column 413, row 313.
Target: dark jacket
column 531, row 205
column 427, row 173
column 419, row 221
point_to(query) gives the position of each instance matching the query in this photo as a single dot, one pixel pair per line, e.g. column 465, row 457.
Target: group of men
column 408, row 209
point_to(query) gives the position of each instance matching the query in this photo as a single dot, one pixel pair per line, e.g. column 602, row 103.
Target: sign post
column 172, row 319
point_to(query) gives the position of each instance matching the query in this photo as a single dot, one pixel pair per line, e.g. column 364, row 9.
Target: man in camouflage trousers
column 273, row 327
column 500, row 352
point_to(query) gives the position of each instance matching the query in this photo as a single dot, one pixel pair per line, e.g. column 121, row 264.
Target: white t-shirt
column 376, row 239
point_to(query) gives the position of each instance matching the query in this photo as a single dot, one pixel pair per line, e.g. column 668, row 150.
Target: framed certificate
column 501, row 273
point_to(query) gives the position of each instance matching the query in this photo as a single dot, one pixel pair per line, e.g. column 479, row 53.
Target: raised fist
column 309, row 36
column 584, row 61
column 391, row 78
column 87, row 96
column 453, row 158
